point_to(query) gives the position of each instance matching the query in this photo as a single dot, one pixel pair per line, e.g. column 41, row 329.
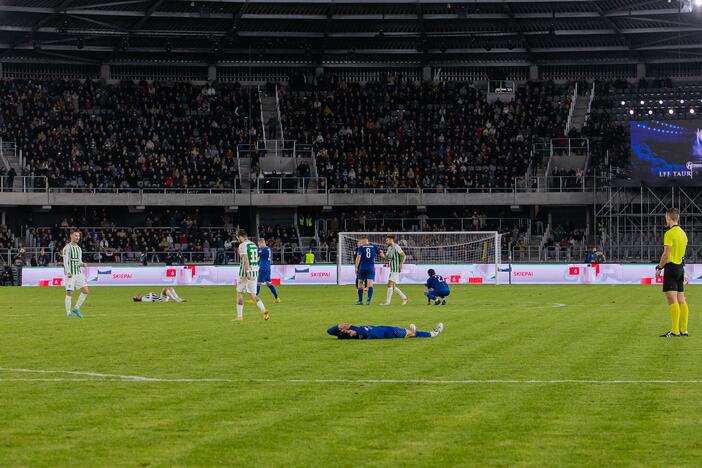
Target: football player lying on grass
column 168, row 293
column 346, row 331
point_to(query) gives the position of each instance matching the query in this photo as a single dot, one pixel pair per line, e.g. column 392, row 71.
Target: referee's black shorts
column 674, row 277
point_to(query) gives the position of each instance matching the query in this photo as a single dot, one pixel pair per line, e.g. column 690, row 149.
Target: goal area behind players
column 428, row 250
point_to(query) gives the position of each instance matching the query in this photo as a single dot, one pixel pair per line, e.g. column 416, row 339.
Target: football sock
column 68, row 304
column 240, row 311
column 260, row 305
column 684, row 311
column 258, row 288
column 423, row 335
column 360, row 294
column 388, row 296
column 399, row 293
column 273, row 290
column 81, row 300
column 675, row 318
column 370, row 293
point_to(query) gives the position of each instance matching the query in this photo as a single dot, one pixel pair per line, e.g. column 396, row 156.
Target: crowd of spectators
column 407, row 135
column 130, row 135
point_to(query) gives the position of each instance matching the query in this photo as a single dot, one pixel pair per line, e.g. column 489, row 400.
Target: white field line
column 101, row 377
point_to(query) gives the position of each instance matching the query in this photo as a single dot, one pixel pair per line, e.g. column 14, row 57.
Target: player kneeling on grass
column 248, row 275
column 436, row 288
column 396, row 257
column 346, row 331
column 75, row 279
column 168, row 293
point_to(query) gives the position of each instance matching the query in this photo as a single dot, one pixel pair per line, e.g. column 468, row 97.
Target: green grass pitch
column 523, row 375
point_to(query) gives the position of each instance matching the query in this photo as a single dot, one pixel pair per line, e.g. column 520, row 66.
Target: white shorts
column 394, row 277
column 245, row 285
column 75, row 282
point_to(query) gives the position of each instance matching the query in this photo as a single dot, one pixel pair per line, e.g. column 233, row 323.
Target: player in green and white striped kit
column 396, row 257
column 248, row 275
column 74, row 277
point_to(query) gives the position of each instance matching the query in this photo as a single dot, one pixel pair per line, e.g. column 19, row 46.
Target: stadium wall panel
column 208, row 275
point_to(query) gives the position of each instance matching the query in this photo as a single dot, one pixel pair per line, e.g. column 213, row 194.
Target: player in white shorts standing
column 74, row 277
column 248, row 275
column 396, row 257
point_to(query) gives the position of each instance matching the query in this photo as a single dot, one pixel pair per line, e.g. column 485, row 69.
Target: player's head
column 672, row 216
column 363, row 240
column 137, row 298
column 431, row 272
column 75, row 235
column 347, row 335
column 261, row 242
column 390, row 239
column 241, row 235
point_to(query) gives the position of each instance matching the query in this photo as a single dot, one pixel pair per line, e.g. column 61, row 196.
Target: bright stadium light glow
column 623, row 103
column 642, row 103
column 631, row 111
column 660, row 101
column 682, row 101
column 650, row 112
column 692, row 111
column 670, row 111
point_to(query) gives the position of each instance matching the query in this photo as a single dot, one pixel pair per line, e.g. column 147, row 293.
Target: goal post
column 461, row 256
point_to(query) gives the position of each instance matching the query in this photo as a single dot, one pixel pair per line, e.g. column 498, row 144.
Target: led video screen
column 667, row 151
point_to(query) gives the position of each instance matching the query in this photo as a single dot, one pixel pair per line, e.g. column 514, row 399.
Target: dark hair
column 344, row 335
column 431, row 272
column 390, row 236
column 241, row 233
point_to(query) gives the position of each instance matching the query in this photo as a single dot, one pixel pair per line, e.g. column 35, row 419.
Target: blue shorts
column 264, row 276
column 366, row 275
column 440, row 292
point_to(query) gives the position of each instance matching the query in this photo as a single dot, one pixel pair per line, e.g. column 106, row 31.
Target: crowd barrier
column 209, row 275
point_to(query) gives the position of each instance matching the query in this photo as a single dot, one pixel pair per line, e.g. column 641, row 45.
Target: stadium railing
column 285, row 185
column 415, row 224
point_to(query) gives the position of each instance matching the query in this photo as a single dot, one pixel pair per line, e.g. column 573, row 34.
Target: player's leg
column 444, row 294
column 670, row 289
column 388, row 293
column 80, row 283
column 67, row 300
column 254, row 297
column 359, row 286
column 370, row 287
column 430, row 295
column 424, row 334
column 397, row 291
column 240, row 299
column 682, row 303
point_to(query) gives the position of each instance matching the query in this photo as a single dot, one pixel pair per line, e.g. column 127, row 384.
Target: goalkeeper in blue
column 264, row 269
column 346, row 331
column 365, row 268
column 436, row 288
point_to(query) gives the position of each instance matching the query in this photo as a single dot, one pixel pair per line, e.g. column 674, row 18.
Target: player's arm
column 383, row 256
column 244, row 259
column 403, row 257
column 664, row 259
column 356, row 262
column 66, row 263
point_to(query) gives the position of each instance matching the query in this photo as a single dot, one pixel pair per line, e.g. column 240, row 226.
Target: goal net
column 465, row 257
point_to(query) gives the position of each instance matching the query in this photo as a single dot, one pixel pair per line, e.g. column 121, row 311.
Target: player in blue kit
column 365, row 268
column 346, row 331
column 264, row 269
column 436, row 288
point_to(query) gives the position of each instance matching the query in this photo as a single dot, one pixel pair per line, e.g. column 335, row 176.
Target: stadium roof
column 515, row 32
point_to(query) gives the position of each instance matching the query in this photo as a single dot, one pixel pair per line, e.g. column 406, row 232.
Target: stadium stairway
column 579, row 113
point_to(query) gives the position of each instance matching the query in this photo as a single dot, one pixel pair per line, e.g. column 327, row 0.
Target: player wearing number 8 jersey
column 248, row 275
column 74, row 277
column 396, row 259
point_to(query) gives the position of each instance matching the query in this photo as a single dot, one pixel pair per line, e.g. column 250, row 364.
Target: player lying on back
column 436, row 288
column 365, row 268
column 346, row 331
column 167, row 294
